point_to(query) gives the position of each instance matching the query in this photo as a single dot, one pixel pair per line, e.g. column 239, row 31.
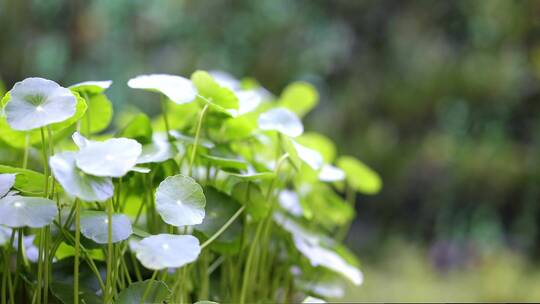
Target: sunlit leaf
column 77, row 183
column 111, row 158
column 138, row 128
column 19, row 139
column 178, row 89
column 166, row 250
column 213, row 93
column 299, row 97
column 37, row 102
column 281, row 120
column 91, row 87
column 99, row 114
column 321, row 256
column 19, row 211
column 359, row 176
column 180, row 201
column 330, row 173
column 311, row 157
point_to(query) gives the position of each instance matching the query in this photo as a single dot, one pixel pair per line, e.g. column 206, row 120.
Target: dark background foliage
column 440, row 97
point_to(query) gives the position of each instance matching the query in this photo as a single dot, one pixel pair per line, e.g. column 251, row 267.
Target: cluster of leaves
column 222, row 197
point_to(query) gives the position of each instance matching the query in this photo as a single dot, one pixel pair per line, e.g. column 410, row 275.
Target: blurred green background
column 442, row 98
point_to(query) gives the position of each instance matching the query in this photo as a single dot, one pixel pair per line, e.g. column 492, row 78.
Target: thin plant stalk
column 77, row 251
column 165, row 118
column 224, row 227
column 197, row 137
column 109, row 283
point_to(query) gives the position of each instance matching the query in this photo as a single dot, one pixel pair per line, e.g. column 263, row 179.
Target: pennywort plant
column 223, row 197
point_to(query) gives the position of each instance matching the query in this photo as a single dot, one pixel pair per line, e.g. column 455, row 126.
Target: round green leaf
column 138, row 128
column 178, row 89
column 99, row 114
column 180, row 201
column 78, row 184
column 166, row 250
column 281, row 120
column 158, row 292
column 37, row 102
column 19, row 211
column 95, row 226
column 215, row 94
column 112, row 158
column 299, row 97
column 359, row 176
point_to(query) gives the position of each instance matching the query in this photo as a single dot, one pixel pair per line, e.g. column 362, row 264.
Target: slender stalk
column 223, row 228
column 197, row 137
column 109, row 284
column 26, row 148
column 45, row 161
column 165, row 118
column 7, row 268
column 46, row 270
column 77, row 251
column 247, row 269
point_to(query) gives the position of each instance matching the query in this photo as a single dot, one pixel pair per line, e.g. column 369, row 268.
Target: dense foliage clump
column 223, row 197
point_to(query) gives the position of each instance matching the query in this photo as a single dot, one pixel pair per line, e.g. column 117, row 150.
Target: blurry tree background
column 440, row 97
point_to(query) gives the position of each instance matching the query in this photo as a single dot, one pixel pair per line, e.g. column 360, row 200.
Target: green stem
column 109, row 285
column 197, row 136
column 26, row 148
column 165, row 119
column 46, row 270
column 223, row 228
column 7, row 268
column 45, row 161
column 77, row 251
column 247, row 269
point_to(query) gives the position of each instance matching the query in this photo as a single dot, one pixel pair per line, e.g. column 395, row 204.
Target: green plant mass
column 220, row 198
